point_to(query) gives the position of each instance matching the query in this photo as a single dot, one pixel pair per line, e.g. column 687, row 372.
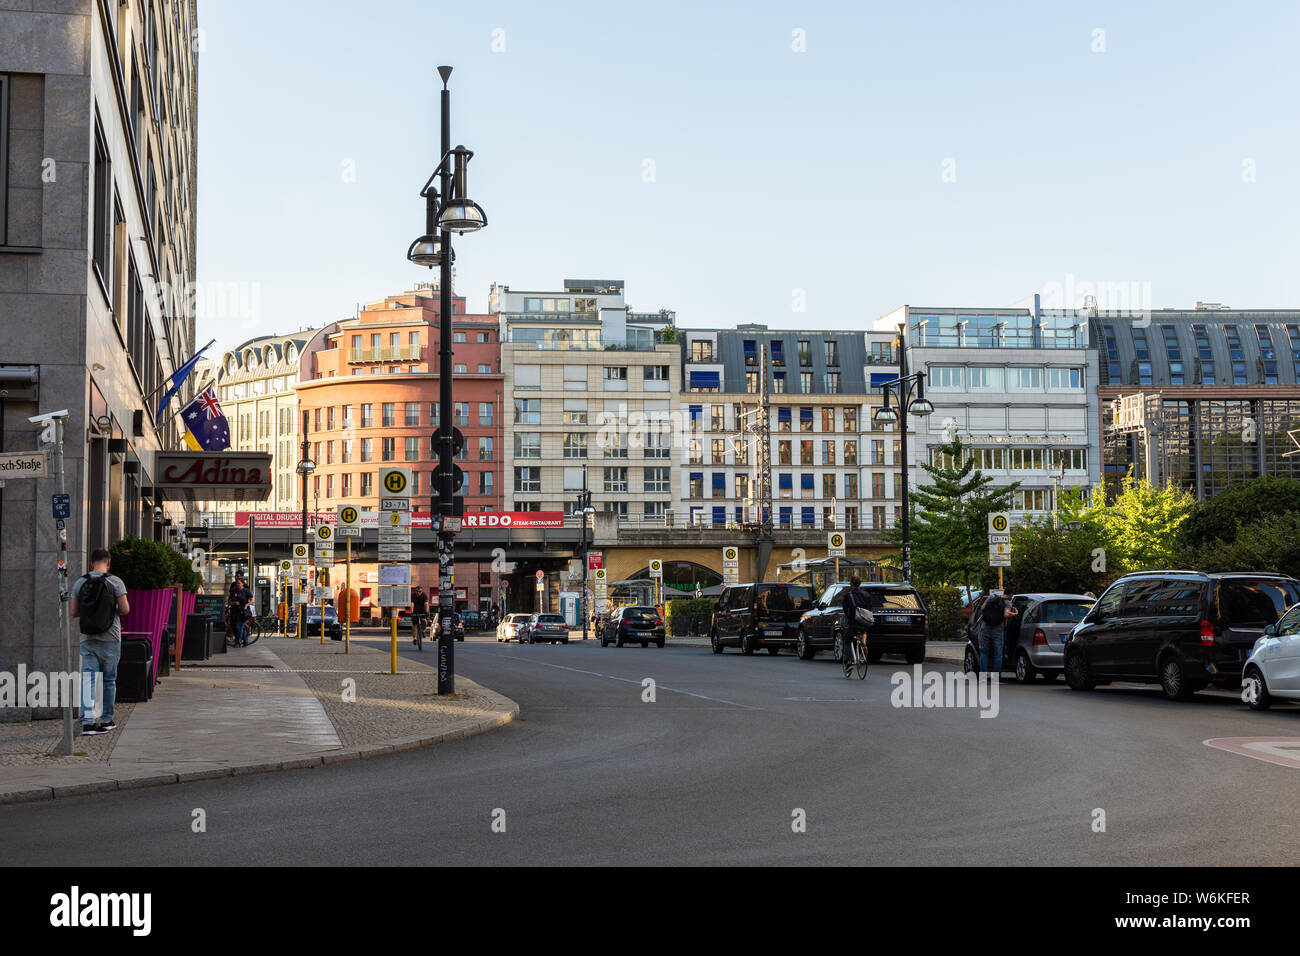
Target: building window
column 1030, row 379
column 987, row 379
column 657, row 480
column 461, row 413
column 1064, row 379
column 1266, row 354
column 367, row 416
column 778, row 353
column 805, row 353
column 1143, row 352
column 1113, row 373
column 828, row 419
column 696, row 452
column 485, row 448
column 615, row 378
column 485, row 483
column 719, row 484
column 657, row 445
column 832, row 352
column 616, row 480
column 877, row 484
column 347, row 451
column 528, row 377
column 717, row 418
column 390, row 415
column 103, row 198
column 696, row 488
column 575, row 378
column 850, row 485
column 702, row 351
column 828, row 453
column 615, row 444
column 458, row 337
column 1236, row 354
column 412, row 448
column 389, row 449
column 575, row 445
column 528, row 479
column 783, row 452
column 805, row 383
column 412, row 418
column 740, row 451
column 367, row 484
column 806, row 452
column 778, row 383
column 805, row 419
column 719, row 451
column 528, row 444
column 367, row 449
column 1206, row 357
column 656, row 378
column 831, row 381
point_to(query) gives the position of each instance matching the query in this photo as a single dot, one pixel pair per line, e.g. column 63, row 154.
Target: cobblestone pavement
column 386, row 706
column 37, row 741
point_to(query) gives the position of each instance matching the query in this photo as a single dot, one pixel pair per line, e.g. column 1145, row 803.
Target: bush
column 944, row 604
column 142, row 564
column 679, row 617
column 182, row 571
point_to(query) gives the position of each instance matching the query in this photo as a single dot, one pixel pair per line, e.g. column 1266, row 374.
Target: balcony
column 388, row 353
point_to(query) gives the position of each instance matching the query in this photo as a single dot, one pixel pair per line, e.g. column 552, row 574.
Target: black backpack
column 96, row 605
column 992, row 613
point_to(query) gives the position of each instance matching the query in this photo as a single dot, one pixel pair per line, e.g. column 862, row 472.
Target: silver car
column 1044, row 624
column 1034, row 640
column 509, row 628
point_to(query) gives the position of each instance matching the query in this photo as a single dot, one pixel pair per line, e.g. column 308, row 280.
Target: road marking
column 1283, row 751
column 824, row 699
column 637, row 681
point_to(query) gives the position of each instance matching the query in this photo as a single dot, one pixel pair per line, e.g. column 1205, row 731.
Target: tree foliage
column 1219, row 518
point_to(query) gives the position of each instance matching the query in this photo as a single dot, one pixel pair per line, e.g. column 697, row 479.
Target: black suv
column 1181, row 629
column 766, row 614
column 902, row 623
column 640, row 623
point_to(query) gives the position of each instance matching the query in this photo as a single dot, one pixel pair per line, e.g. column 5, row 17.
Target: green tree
column 1143, row 523
column 950, row 519
column 1067, row 558
column 1220, row 517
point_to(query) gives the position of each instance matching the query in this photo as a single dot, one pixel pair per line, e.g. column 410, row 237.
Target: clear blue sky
column 773, row 170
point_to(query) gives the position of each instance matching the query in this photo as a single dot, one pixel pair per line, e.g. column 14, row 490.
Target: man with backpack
column 857, row 614
column 993, row 617
column 98, row 601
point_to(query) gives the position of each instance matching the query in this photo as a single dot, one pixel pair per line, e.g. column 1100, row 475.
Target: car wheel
column 1255, row 691
column 618, row 639
column 746, row 646
column 714, row 643
column 970, row 663
column 645, row 643
column 1173, row 680
column 565, row 641
column 802, row 649
column 1077, row 673
column 659, row 643
column 1024, row 670
column 839, row 649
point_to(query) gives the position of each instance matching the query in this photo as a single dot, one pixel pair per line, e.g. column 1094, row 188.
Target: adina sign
column 216, row 475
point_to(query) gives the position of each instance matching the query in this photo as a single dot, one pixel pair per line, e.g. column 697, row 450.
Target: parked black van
column 763, row 614
column 1182, row 629
column 902, row 623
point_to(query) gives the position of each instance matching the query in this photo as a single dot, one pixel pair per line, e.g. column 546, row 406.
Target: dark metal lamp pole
column 911, row 401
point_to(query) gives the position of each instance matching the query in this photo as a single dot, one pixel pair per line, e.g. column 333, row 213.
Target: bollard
column 394, row 651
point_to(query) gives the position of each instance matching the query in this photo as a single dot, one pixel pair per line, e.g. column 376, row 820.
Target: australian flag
column 206, row 429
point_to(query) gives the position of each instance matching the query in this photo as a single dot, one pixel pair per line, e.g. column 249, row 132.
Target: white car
column 1272, row 671
column 508, row 629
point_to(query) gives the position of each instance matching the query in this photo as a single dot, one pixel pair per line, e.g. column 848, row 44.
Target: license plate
column 898, row 619
column 774, row 632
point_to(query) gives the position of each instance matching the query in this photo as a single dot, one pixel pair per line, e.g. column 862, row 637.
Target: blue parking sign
column 62, row 506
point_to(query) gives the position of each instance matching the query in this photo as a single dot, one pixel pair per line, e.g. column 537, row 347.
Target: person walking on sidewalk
column 993, row 620
column 98, row 602
column 239, row 599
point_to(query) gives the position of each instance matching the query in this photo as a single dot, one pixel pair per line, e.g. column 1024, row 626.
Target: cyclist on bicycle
column 419, row 608
column 857, row 615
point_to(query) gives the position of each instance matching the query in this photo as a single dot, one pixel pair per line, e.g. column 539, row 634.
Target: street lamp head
column 306, row 466
column 427, row 251
column 459, row 213
column 589, row 510
column 885, row 414
column 445, row 73
column 921, row 407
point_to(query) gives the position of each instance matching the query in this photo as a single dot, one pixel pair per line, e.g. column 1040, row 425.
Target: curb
column 363, row 752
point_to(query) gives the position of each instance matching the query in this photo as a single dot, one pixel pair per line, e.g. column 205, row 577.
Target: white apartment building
column 592, row 394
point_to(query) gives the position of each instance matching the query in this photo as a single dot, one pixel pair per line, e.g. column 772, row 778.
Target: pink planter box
column 188, row 601
column 148, row 617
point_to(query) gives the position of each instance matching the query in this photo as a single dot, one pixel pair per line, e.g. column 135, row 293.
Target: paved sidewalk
column 279, row 704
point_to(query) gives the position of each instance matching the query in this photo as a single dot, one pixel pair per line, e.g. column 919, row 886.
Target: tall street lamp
column 910, row 390
column 305, row 467
column 448, row 210
column 582, row 510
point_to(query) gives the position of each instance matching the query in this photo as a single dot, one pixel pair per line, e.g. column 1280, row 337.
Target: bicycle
column 855, row 659
column 252, row 631
column 417, row 625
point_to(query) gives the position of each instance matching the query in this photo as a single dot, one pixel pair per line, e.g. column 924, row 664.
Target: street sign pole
column 347, row 591
column 65, row 617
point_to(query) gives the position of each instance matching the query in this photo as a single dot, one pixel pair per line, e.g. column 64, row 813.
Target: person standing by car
column 993, row 620
column 855, row 623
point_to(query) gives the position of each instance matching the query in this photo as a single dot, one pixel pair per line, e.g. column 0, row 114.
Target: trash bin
column 197, row 642
column 168, row 648
column 135, row 670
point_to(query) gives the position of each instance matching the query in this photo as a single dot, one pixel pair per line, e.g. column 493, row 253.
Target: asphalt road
column 716, row 770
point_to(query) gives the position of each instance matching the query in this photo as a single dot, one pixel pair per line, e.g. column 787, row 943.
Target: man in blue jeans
column 98, row 602
column 993, row 621
column 240, row 597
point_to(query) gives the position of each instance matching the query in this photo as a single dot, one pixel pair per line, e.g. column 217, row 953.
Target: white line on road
column 629, row 680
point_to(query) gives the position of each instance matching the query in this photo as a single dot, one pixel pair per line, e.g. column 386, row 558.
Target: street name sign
column 23, row 464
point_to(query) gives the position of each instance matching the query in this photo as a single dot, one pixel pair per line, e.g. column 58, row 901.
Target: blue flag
column 178, row 378
column 206, row 428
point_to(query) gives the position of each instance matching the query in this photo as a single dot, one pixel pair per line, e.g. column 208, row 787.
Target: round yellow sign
column 837, row 540
column 324, row 532
column 395, row 482
column 731, row 554
column 1000, row 523
column 349, row 515
column 394, row 518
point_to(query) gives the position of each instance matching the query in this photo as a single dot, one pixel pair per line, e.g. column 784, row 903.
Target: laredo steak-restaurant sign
column 218, row 475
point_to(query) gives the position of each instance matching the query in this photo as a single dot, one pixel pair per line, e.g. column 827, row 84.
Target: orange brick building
column 369, row 389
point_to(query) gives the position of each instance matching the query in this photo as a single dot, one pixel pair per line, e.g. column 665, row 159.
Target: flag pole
column 190, row 402
column 163, row 386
